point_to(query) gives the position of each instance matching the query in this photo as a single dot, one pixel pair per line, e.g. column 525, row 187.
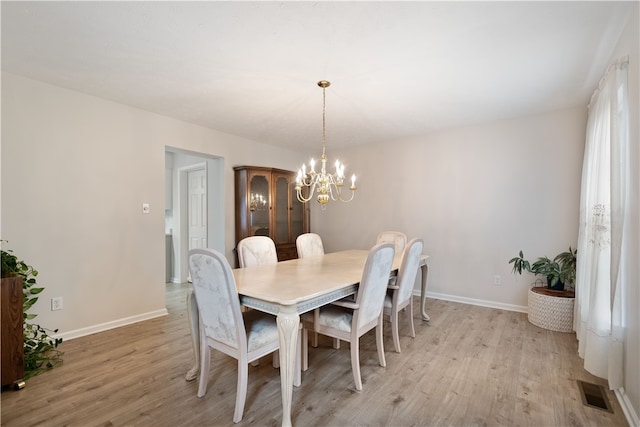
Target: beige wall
column 75, row 172
column 476, row 196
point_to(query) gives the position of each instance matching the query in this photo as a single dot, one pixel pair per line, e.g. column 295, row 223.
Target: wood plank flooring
column 468, row 366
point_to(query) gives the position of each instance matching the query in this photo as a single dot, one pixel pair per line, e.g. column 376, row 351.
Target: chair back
column 398, row 238
column 217, row 298
column 309, row 244
column 373, row 285
column 408, row 269
column 256, row 250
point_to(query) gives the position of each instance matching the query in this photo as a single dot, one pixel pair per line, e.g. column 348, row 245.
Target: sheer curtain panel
column 601, row 283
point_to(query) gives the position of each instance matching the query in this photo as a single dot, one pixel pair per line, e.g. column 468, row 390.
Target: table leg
column 288, row 326
column 423, row 292
column 192, row 315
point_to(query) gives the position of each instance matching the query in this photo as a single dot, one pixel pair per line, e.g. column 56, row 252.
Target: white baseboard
column 627, row 408
column 110, row 325
column 473, row 301
column 146, row 316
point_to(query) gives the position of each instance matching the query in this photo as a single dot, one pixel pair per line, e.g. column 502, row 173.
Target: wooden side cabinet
column 12, row 333
column 266, row 205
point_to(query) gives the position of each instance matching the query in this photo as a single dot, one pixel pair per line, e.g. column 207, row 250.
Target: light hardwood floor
column 468, row 366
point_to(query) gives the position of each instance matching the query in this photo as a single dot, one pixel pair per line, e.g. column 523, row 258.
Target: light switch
column 145, row 208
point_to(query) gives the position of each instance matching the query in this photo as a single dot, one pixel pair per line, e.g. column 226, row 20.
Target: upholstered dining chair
column 399, row 240
column 401, row 296
column 223, row 326
column 309, row 244
column 352, row 319
column 256, row 250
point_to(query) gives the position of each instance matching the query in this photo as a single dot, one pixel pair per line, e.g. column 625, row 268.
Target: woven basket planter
column 551, row 310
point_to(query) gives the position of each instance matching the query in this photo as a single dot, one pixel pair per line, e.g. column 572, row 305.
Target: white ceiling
column 397, row 69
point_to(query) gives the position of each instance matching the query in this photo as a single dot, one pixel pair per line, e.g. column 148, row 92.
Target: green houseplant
column 40, row 350
column 560, row 271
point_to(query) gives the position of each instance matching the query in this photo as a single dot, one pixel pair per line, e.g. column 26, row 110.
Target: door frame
column 216, row 233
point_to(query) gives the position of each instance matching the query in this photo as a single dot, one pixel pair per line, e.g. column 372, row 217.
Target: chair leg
column 314, row 340
column 205, row 364
column 394, row 330
column 355, row 362
column 380, row 342
column 336, row 343
column 276, row 359
column 410, row 312
column 241, row 392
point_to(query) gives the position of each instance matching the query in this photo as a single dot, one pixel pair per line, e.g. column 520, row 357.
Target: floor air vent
column 595, row 396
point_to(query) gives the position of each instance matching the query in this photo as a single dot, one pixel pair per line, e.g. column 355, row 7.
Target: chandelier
column 327, row 186
column 257, row 202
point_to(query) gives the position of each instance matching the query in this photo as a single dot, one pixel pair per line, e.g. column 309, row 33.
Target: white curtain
column 601, row 284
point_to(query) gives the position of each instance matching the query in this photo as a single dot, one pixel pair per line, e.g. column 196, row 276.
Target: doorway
column 194, row 215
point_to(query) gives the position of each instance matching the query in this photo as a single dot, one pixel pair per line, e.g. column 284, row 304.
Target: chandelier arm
column 353, row 193
column 303, row 199
column 332, row 190
column 336, row 192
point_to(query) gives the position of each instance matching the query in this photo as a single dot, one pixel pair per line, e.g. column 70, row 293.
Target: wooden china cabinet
column 266, row 205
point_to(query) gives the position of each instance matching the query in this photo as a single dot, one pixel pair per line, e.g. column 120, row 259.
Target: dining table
column 289, row 288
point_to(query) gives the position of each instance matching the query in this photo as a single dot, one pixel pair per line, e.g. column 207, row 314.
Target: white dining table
column 290, row 288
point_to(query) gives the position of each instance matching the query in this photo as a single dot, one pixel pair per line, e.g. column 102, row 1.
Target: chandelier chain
column 324, row 121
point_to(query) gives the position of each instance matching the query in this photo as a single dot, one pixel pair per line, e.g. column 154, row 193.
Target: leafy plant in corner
column 559, row 271
column 40, row 350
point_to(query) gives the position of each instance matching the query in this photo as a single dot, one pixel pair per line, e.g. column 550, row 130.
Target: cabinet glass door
column 282, row 210
column 259, row 206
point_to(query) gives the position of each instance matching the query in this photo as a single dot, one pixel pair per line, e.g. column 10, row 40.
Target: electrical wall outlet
column 497, row 281
column 56, row 303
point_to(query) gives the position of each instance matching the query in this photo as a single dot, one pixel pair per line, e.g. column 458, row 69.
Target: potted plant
column 40, row 350
column 559, row 271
